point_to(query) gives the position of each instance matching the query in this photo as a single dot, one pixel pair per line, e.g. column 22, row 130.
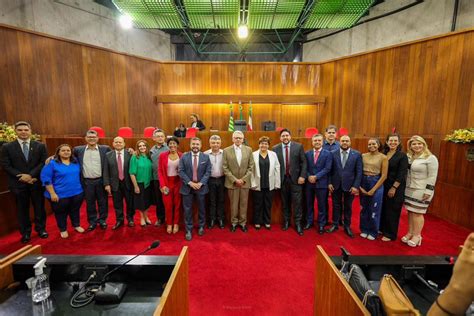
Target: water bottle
column 40, row 290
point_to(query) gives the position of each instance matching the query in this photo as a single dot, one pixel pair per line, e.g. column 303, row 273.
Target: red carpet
column 261, row 272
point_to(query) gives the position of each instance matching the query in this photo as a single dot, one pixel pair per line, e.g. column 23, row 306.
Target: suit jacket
column 163, row 168
column 14, row 162
column 297, row 161
column 321, row 169
column 200, row 125
column 186, row 172
column 274, row 178
column 350, row 175
column 110, row 171
column 233, row 171
column 79, row 153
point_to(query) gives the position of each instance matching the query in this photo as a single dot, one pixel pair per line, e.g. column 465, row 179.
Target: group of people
column 196, row 123
column 385, row 178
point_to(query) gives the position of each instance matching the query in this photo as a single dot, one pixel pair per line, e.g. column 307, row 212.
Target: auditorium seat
column 191, row 132
column 279, row 129
column 125, row 132
column 148, row 131
column 343, row 131
column 310, row 131
column 100, row 131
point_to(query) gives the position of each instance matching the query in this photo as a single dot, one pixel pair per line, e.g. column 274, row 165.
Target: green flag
column 231, row 119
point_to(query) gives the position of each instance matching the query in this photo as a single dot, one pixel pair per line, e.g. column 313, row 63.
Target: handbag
column 394, row 299
column 364, row 291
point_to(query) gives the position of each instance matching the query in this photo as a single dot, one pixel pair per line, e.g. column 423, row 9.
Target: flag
column 240, row 110
column 231, row 119
column 249, row 124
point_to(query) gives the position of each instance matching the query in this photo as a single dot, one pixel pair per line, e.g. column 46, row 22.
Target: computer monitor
column 240, row 125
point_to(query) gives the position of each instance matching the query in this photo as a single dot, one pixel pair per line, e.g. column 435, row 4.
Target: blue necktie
column 25, row 150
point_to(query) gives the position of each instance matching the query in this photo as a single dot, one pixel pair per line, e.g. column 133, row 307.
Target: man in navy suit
column 23, row 160
column 194, row 170
column 344, row 182
column 91, row 157
column 319, row 163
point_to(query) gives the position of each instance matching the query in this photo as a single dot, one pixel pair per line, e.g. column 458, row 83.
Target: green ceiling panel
column 161, row 14
column 213, row 14
column 337, row 13
column 274, row 14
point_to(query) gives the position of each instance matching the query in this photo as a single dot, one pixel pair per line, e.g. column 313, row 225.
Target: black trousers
column 262, row 206
column 67, row 206
column 188, row 209
column 158, row 199
column 216, row 198
column 117, row 197
column 95, row 193
column 291, row 195
column 391, row 210
column 23, row 196
column 342, row 204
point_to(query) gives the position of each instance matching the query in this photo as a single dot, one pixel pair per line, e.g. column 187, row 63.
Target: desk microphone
column 112, row 293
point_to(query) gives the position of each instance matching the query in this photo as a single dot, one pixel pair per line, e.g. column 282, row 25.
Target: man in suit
column 194, row 170
column 23, row 160
column 319, row 165
column 117, row 181
column 238, row 165
column 91, row 157
column 293, row 173
column 344, row 183
column 160, row 146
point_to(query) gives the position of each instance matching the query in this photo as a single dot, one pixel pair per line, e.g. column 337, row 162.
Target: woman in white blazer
column 265, row 179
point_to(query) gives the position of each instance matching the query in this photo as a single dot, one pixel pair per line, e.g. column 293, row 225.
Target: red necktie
column 120, row 166
column 287, row 161
column 195, row 169
column 316, row 156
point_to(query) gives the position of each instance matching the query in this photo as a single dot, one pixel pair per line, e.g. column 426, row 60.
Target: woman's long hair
column 56, row 154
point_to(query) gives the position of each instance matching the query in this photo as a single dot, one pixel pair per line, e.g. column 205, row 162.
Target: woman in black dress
column 394, row 187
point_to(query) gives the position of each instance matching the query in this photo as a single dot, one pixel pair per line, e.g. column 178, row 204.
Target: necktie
column 287, row 161
column 25, row 150
column 120, row 166
column 195, row 168
column 316, row 156
column 344, row 158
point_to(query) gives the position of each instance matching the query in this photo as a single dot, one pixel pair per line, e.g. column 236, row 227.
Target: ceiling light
column 243, row 31
column 126, row 21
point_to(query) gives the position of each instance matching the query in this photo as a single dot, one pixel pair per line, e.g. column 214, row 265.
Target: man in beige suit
column 238, row 165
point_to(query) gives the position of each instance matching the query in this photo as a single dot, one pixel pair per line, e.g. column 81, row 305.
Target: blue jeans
column 371, row 207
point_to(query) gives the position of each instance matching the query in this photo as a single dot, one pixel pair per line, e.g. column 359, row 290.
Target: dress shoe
column 244, row 228
column 332, row 228
column 188, row 236
column 233, row 228
column 321, row 230
column 25, row 238
column 348, row 231
column 285, row 226
column 258, row 226
column 117, row 225
column 201, row 231
column 103, row 225
column 221, row 224
column 267, row 226
column 79, row 229
column 91, row 227
column 299, row 230
column 307, row 226
column 212, row 223
column 43, row 234
column 131, row 224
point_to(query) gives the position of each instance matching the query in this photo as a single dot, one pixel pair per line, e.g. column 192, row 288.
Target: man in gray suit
column 117, row 181
column 293, row 172
column 238, row 165
column 194, row 170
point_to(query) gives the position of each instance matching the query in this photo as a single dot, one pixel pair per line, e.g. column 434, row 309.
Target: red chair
column 310, row 131
column 148, row 131
column 100, row 131
column 191, row 132
column 279, row 129
column 343, row 131
column 125, row 132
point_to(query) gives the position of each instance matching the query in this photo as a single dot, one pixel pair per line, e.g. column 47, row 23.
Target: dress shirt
column 284, row 153
column 27, row 145
column 194, row 124
column 216, row 162
column 342, row 155
column 331, row 147
column 92, row 167
column 238, row 153
column 155, row 152
column 122, row 156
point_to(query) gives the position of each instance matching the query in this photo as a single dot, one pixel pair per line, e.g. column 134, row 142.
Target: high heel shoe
column 175, row 228
column 414, row 243
column 169, row 229
column 142, row 223
column 406, row 238
column 147, row 221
